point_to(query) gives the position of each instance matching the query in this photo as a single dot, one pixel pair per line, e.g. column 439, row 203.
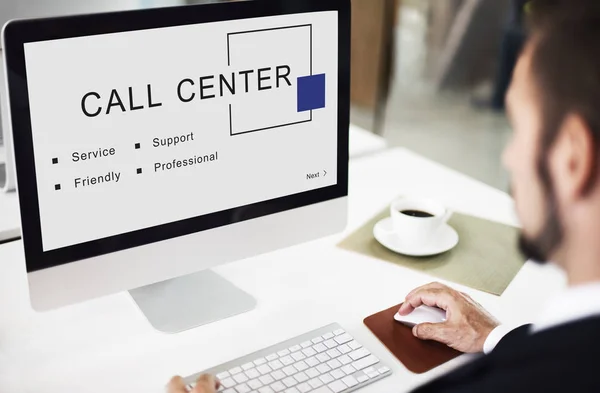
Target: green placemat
column 486, row 257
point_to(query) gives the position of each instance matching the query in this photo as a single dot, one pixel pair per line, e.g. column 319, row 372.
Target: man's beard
column 540, row 248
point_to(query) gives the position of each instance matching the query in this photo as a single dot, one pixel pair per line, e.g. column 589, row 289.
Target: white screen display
column 137, row 129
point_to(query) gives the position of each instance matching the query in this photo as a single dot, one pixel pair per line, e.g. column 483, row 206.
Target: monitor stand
column 183, row 303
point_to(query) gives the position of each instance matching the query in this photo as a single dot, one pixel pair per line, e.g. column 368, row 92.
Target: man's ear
column 573, row 159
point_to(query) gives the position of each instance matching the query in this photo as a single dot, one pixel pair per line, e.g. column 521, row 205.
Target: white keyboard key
column 260, row 361
column 350, row 381
column 333, row 353
column 235, row 370
column 278, row 387
column 369, row 370
column 338, row 374
column 266, row 389
column 247, row 366
column 295, row 348
column 327, row 336
column 323, row 389
column 264, row 369
column 315, row 383
column 354, row 345
column 338, row 332
column 230, row 390
column 301, row 377
column 365, row 362
column 266, row 380
column 255, row 384
column 292, row 390
column 312, row 373
column 317, row 340
column 344, row 348
column 277, row 375
column 323, row 357
column 359, row 354
column 326, row 378
column 228, row 383
column 320, row 348
column 343, row 338
column 306, row 344
column 223, row 375
column 383, row 370
column 344, row 359
column 301, row 365
column 373, row 374
column 240, row 378
column 312, row 362
column 304, row 388
column 323, row 368
column 334, row 363
column 275, row 364
column 337, row 386
column 308, row 352
column 283, row 352
column 287, row 360
column 272, row 357
column 298, row 356
column 243, row 388
column 348, row 369
column 289, row 370
column 330, row 344
column 252, row 373
column 362, row 378
column 289, row 382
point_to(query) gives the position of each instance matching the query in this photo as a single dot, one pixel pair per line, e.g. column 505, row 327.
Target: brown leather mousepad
column 417, row 356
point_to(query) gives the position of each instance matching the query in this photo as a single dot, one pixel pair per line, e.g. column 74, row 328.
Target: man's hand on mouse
column 467, row 324
column 204, row 384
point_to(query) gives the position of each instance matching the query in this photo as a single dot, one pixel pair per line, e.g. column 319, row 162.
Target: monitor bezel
column 17, row 33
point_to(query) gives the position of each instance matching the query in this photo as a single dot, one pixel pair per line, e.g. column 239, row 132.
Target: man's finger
column 406, row 307
column 206, row 384
column 431, row 331
column 176, row 385
column 440, row 298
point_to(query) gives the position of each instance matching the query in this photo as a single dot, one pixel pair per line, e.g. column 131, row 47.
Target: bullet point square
column 57, row 187
column 55, row 161
column 137, row 145
column 139, row 171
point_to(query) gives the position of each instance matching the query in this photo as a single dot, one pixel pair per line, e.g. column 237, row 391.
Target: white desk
column 107, row 346
column 364, row 143
column 10, row 218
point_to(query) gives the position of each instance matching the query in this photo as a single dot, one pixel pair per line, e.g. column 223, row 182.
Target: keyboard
column 326, row 360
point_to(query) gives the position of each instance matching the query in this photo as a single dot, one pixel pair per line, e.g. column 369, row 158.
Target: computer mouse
column 422, row 314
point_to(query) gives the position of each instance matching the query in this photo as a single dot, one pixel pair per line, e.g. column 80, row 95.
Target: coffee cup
column 416, row 221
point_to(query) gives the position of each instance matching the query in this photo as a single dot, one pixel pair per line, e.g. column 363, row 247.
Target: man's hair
column 565, row 65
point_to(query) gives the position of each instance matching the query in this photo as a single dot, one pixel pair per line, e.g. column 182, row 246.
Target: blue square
column 311, row 92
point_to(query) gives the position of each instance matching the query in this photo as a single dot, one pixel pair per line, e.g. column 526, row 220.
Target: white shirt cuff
column 495, row 336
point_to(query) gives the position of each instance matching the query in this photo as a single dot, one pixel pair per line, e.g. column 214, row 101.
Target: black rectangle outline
column 310, row 26
column 18, row 33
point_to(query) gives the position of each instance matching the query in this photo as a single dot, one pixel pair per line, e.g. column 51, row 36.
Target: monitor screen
column 138, row 130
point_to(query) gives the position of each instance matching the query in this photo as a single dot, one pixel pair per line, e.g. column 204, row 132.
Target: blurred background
column 428, row 75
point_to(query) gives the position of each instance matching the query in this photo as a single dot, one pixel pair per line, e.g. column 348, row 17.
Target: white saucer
column 446, row 240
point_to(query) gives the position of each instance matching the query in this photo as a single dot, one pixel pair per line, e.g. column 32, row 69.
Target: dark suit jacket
column 561, row 359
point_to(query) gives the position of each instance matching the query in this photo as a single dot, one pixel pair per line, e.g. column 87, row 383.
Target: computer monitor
column 151, row 145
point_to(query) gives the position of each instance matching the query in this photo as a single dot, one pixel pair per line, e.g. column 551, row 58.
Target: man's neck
column 581, row 255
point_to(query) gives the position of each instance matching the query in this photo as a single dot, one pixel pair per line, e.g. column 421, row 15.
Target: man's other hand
column 467, row 324
column 204, row 384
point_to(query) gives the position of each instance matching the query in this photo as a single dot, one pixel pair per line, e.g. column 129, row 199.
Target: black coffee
column 416, row 213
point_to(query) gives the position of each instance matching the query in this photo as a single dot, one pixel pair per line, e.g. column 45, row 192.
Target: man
column 554, row 160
